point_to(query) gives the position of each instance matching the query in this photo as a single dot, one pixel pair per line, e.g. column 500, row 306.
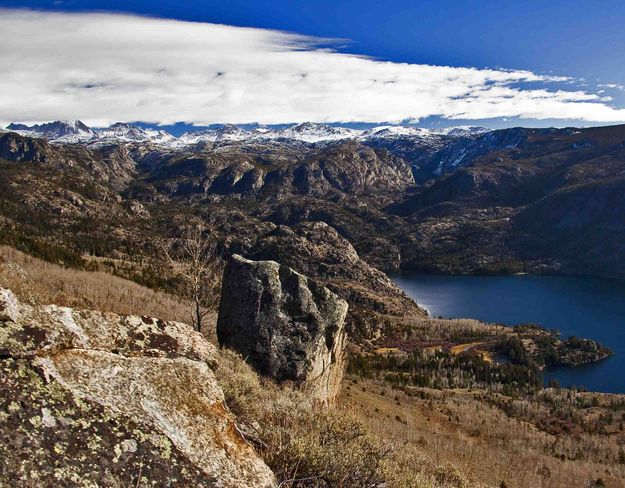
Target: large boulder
column 289, row 327
column 95, row 399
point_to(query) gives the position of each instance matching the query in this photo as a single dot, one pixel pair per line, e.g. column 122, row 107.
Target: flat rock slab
column 91, row 399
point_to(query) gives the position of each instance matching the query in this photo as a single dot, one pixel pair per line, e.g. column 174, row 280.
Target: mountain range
column 340, row 210
column 336, row 204
column 308, row 132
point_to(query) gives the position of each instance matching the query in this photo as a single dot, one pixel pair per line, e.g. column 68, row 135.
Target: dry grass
column 309, row 447
column 304, row 445
column 38, row 282
column 461, row 429
column 416, row 437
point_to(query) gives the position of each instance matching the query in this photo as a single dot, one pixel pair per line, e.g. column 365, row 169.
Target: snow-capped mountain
column 401, row 131
column 396, row 131
column 61, row 131
column 226, row 133
column 121, row 132
column 78, row 132
column 462, row 130
column 308, row 132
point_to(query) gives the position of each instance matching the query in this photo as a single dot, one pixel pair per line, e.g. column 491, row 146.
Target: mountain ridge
column 307, row 132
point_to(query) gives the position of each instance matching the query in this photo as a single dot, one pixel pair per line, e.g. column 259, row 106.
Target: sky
column 493, row 63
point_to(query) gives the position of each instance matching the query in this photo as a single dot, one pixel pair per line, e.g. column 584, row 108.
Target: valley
column 347, row 209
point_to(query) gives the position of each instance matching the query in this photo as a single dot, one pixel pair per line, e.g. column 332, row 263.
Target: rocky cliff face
column 93, row 399
column 289, row 327
column 16, row 148
column 271, row 171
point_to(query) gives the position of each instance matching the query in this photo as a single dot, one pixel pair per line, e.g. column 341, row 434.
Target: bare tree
column 193, row 260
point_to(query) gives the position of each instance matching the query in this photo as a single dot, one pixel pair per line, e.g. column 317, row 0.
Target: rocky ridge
column 533, row 200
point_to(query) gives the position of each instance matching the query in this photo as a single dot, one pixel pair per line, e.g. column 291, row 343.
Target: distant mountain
column 121, row 132
column 61, row 131
column 430, row 152
column 397, row 131
column 537, row 200
column 307, row 132
column 226, row 133
column 78, row 132
column 464, row 149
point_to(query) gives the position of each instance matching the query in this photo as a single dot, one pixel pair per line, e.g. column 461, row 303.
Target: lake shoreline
column 576, row 306
column 408, row 273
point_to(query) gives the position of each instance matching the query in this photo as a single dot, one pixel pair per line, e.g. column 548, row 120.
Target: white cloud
column 106, row 67
column 613, row 86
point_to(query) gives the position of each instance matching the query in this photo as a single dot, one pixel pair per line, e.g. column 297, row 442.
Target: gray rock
column 289, row 327
column 110, row 400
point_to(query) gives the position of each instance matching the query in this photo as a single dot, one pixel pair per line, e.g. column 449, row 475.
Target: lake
column 593, row 308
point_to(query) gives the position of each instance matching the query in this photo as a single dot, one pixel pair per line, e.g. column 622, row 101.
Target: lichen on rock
column 28, row 331
column 90, row 399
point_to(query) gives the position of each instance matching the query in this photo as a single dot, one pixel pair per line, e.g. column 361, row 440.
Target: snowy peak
column 395, row 131
column 65, row 131
column 399, row 131
column 224, row 133
column 463, row 131
column 78, row 132
column 122, row 132
column 311, row 132
column 307, row 132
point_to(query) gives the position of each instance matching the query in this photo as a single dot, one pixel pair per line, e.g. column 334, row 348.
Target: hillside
column 104, row 216
column 462, row 203
column 551, row 203
column 423, row 436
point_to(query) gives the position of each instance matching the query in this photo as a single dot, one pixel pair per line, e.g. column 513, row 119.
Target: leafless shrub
column 193, row 260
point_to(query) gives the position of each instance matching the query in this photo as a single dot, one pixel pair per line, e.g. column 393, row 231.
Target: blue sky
column 581, row 40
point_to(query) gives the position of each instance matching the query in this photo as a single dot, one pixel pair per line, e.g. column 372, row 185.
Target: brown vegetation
column 305, row 446
column 38, row 282
column 310, row 447
column 474, row 434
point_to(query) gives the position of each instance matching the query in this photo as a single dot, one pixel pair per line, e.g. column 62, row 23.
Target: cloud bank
column 104, row 68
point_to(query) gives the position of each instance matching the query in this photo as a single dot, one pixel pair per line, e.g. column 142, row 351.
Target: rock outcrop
column 289, row 327
column 97, row 399
column 316, row 249
column 16, row 148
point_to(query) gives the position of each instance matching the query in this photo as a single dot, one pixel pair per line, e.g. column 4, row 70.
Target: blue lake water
column 586, row 307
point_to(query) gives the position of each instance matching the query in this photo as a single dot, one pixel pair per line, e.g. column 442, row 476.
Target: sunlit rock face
column 98, row 399
column 289, row 327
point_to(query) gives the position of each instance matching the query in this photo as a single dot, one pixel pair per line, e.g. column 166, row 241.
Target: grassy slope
column 465, row 430
column 296, row 440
